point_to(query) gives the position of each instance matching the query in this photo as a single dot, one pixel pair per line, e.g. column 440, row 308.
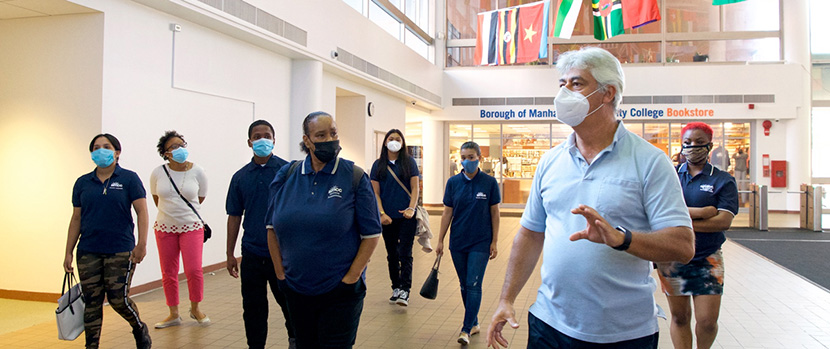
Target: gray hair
column 605, row 68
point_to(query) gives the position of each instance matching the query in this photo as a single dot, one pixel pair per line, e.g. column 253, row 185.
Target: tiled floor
column 765, row 306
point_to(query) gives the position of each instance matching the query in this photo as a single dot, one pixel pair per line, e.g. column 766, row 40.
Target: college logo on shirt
column 335, row 192
column 481, row 196
column 116, row 185
column 707, row 188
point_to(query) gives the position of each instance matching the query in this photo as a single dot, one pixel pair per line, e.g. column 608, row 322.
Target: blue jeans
column 542, row 335
column 470, row 269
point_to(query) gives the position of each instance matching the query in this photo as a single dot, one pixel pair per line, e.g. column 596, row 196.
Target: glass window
column 414, row 42
column 751, row 15
column 627, row 52
column 821, row 82
column 657, row 135
column 751, row 50
column 688, row 16
column 486, row 131
column 635, row 128
column 423, row 17
column 818, row 24
column 821, row 123
column 384, row 20
column 356, row 4
column 461, row 131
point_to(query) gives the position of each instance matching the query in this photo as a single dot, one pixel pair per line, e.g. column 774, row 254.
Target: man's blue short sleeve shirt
column 320, row 219
column 711, row 187
column 471, row 199
column 106, row 221
column 590, row 291
column 248, row 197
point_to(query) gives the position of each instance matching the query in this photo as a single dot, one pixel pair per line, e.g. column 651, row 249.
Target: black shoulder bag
column 206, row 227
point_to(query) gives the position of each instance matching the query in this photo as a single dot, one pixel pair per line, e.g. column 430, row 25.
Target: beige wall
column 50, row 107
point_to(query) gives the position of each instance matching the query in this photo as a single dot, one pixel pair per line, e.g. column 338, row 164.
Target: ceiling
column 11, row 9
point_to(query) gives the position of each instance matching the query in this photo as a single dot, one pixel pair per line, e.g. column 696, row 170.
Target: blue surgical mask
column 470, row 166
column 103, row 157
column 263, row 147
column 179, row 155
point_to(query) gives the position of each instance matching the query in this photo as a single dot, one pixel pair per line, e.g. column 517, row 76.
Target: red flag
column 532, row 32
column 637, row 13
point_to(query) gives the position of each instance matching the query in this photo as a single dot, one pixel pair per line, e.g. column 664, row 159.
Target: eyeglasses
column 177, row 146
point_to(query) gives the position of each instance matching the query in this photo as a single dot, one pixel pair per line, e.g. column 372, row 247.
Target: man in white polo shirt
column 602, row 205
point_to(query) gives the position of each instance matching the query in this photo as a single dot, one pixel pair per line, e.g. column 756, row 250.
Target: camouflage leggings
column 110, row 275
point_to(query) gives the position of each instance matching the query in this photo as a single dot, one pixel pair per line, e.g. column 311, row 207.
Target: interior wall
column 350, row 114
column 50, row 108
column 390, row 112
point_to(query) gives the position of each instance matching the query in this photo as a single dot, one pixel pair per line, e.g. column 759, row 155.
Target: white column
column 435, row 161
column 306, row 97
column 796, row 41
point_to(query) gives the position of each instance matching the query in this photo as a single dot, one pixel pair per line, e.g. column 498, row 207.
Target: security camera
column 776, row 120
column 412, row 102
column 334, row 54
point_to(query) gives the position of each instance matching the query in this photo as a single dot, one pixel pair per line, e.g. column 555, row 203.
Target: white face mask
column 393, row 146
column 572, row 107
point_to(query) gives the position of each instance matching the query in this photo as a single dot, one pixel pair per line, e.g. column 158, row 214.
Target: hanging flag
column 637, row 13
column 724, row 2
column 532, row 42
column 566, row 18
column 488, row 25
column 508, row 33
column 607, row 19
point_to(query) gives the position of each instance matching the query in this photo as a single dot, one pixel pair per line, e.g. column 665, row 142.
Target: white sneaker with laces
column 464, row 338
column 403, row 298
column 396, row 293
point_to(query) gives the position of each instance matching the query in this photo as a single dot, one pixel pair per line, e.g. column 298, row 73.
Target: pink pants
column 190, row 245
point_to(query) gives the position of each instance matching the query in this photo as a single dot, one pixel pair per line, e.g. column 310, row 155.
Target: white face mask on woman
column 393, row 146
column 572, row 107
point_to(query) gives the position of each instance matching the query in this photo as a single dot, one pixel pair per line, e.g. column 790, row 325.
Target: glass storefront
column 510, row 151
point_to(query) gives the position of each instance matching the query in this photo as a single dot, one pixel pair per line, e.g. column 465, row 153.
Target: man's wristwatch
column 626, row 242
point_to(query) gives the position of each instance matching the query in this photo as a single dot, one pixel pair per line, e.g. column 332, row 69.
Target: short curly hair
column 163, row 140
column 698, row 126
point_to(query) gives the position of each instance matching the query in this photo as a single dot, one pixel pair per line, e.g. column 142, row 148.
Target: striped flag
column 608, row 19
column 488, row 26
column 566, row 18
column 508, row 33
column 724, row 2
column 637, row 13
column 513, row 35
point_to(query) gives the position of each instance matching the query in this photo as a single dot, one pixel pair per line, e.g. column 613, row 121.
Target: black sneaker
column 403, row 298
column 396, row 293
column 142, row 337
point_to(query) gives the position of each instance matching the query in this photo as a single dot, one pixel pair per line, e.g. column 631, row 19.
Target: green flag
column 724, row 2
column 608, row 20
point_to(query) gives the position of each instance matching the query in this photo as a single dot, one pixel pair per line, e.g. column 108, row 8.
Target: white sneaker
column 403, row 298
column 464, row 338
column 475, row 329
column 396, row 293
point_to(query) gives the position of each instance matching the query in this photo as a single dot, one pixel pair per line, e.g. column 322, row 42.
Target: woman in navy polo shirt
column 323, row 226
column 471, row 203
column 712, row 198
column 102, row 226
column 397, row 210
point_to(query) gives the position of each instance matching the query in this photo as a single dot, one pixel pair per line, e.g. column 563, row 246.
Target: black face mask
column 326, row 151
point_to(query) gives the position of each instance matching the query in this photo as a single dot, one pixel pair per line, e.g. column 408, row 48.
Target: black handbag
column 430, row 288
column 207, row 230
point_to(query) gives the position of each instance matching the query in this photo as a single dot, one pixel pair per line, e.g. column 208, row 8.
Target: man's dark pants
column 328, row 320
column 257, row 274
column 542, row 335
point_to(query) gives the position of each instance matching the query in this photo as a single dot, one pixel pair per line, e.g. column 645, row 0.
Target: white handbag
column 70, row 312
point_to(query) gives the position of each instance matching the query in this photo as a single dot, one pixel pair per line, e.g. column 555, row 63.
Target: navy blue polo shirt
column 248, row 197
column 470, row 199
column 711, row 187
column 106, row 221
column 392, row 196
column 320, row 219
